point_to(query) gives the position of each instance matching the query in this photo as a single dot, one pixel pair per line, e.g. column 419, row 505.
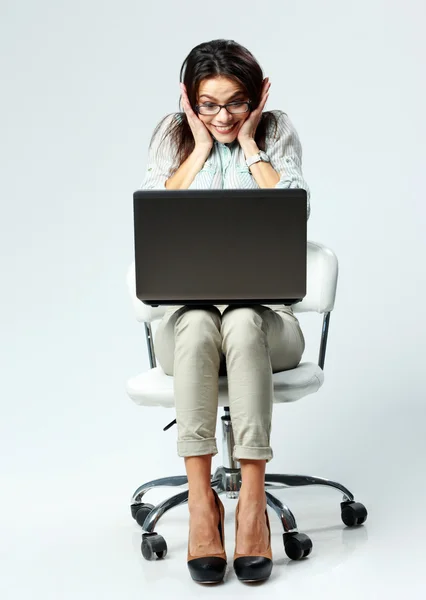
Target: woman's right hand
column 202, row 136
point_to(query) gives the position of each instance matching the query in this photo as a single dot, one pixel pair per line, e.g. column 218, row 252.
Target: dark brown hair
column 223, row 58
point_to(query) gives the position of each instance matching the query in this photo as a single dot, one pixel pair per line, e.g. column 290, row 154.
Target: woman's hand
column 202, row 136
column 248, row 128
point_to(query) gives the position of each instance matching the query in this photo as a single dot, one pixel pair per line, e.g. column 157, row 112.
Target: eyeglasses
column 235, row 108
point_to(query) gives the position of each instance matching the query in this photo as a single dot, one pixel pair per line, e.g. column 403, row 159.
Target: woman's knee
column 196, row 317
column 239, row 322
column 198, row 327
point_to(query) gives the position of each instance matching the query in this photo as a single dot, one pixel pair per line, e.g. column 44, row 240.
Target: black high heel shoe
column 253, row 568
column 210, row 568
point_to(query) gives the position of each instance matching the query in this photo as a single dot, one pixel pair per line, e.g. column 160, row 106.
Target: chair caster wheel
column 353, row 513
column 297, row 545
column 153, row 546
column 140, row 512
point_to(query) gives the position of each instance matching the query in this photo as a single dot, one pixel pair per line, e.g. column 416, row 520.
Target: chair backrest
column 321, row 284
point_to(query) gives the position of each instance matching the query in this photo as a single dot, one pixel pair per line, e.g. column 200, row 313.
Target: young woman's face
column 221, row 90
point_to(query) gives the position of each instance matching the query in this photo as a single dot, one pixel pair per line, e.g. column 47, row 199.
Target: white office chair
column 155, row 388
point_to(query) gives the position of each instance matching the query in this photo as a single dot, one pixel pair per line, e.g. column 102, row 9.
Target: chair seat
column 155, row 388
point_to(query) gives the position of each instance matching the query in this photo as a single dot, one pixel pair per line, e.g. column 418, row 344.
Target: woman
column 222, row 139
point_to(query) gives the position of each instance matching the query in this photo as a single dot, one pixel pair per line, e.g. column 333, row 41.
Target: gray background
column 83, row 86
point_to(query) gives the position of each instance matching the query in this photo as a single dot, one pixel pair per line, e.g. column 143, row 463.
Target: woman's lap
column 284, row 336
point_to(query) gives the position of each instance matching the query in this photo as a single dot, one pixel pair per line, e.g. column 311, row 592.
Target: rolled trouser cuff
column 246, row 452
column 197, row 447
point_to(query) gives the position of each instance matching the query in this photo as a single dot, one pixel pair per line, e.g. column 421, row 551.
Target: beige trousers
column 192, row 343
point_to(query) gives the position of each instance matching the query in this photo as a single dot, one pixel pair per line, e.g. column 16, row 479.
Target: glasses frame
column 197, row 108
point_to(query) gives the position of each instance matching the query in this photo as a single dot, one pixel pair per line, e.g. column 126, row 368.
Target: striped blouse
column 225, row 167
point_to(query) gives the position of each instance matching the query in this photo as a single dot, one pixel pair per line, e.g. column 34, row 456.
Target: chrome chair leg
column 271, row 486
column 176, row 480
column 300, row 480
column 296, row 545
column 158, row 511
column 285, row 515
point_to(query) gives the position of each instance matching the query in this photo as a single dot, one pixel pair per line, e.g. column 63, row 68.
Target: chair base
column 228, row 481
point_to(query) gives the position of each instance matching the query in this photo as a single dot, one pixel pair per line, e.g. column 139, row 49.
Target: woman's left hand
column 248, row 128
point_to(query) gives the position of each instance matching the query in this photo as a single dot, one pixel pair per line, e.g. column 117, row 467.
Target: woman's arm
column 285, row 153
column 263, row 172
column 185, row 175
column 160, row 163
column 160, row 159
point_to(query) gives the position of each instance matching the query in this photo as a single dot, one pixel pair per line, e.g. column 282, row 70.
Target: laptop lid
column 220, row 246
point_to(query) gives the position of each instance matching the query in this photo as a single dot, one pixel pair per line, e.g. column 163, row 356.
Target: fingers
column 265, row 92
column 264, row 96
column 185, row 101
column 184, row 96
column 266, row 86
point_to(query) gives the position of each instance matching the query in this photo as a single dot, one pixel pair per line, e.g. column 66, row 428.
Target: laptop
column 220, row 247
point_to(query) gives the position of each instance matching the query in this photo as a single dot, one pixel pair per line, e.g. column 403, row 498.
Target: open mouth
column 223, row 130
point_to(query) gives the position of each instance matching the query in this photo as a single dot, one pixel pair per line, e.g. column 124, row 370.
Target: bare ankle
column 200, row 497
column 252, row 497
